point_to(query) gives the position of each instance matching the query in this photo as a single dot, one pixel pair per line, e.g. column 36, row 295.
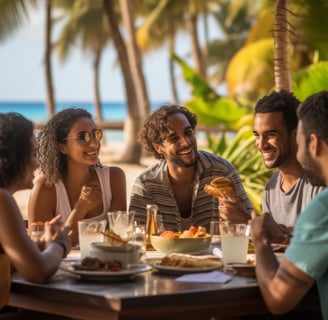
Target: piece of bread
column 222, row 187
column 189, row 261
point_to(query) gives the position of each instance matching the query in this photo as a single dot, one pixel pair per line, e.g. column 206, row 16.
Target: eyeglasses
column 84, row 137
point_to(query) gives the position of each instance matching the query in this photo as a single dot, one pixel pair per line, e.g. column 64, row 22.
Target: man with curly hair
column 176, row 182
column 289, row 190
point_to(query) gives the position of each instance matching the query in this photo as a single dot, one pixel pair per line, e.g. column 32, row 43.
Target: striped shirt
column 153, row 186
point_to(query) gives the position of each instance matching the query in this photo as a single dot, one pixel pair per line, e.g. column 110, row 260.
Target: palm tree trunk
column 135, row 58
column 132, row 149
column 196, row 50
column 173, row 82
column 281, row 42
column 97, row 104
column 49, row 83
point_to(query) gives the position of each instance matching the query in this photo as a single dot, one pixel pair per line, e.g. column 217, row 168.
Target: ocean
column 37, row 112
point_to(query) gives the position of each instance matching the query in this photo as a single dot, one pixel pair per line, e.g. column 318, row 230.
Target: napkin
column 217, row 252
column 212, row 277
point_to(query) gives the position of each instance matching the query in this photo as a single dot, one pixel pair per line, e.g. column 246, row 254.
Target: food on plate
column 192, row 232
column 95, row 264
column 113, row 239
column 190, row 261
column 168, row 234
column 222, row 187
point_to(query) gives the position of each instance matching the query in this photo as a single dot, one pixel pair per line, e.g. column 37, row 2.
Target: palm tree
column 234, row 25
column 13, row 14
column 85, row 25
column 299, row 37
column 281, row 42
column 48, row 69
column 165, row 19
column 127, row 11
column 132, row 151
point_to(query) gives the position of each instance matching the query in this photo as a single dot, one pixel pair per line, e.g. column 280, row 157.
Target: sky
column 22, row 72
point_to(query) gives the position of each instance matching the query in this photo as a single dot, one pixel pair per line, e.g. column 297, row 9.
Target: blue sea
column 37, row 112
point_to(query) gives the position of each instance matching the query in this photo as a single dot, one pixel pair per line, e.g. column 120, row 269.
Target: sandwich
column 222, row 188
column 189, row 261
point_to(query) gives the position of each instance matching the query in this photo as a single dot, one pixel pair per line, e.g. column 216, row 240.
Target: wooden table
column 150, row 295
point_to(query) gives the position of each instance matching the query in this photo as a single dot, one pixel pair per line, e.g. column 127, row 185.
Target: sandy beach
column 108, row 156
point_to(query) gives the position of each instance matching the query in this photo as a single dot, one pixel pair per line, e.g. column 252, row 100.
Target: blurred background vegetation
column 243, row 60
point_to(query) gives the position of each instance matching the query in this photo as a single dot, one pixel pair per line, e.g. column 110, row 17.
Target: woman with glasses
column 18, row 161
column 73, row 183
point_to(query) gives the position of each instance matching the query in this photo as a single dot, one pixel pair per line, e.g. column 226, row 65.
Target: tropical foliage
column 242, row 56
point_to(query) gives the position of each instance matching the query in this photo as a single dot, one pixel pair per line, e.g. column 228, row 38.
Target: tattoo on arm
column 285, row 276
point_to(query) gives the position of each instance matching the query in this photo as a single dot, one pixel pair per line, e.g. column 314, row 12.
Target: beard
column 180, row 162
column 313, row 170
column 275, row 163
column 284, row 154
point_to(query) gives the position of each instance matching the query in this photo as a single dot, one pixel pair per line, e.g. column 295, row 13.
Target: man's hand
column 232, row 211
column 264, row 225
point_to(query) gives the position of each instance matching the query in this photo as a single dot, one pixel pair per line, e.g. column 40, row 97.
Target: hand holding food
column 90, row 196
column 223, row 188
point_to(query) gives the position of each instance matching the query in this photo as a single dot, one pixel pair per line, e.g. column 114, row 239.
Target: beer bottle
column 151, row 224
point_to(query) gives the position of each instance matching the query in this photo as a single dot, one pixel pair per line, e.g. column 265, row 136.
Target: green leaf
column 310, row 80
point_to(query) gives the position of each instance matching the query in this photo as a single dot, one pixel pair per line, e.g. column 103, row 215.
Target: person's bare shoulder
column 5, row 196
column 117, row 172
column 42, row 199
column 40, row 186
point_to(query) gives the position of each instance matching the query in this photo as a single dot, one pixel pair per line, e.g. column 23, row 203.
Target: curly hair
column 282, row 101
column 155, row 127
column 314, row 115
column 53, row 164
column 15, row 147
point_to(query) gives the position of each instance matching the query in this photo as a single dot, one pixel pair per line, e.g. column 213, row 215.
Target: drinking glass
column 139, row 238
column 234, row 242
column 215, row 231
column 90, row 231
column 121, row 222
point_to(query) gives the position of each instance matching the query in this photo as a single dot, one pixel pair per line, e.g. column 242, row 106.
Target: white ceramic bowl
column 128, row 254
column 180, row 245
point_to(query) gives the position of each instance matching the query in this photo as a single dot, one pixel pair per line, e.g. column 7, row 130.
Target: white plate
column 106, row 275
column 155, row 263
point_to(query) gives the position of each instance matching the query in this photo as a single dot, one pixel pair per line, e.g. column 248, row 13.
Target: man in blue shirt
column 306, row 259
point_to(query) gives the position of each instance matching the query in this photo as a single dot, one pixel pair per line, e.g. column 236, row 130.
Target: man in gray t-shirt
column 288, row 190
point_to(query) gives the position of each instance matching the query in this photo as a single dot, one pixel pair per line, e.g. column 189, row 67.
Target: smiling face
column 179, row 146
column 272, row 139
column 76, row 151
column 310, row 166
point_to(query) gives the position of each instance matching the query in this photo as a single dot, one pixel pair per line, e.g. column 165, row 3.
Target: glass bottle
column 151, row 224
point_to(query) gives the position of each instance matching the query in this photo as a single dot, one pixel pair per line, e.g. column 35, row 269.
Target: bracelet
column 62, row 245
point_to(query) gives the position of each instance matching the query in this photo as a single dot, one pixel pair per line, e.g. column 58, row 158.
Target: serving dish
column 241, row 269
column 177, row 271
column 127, row 254
column 106, row 275
column 180, row 245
